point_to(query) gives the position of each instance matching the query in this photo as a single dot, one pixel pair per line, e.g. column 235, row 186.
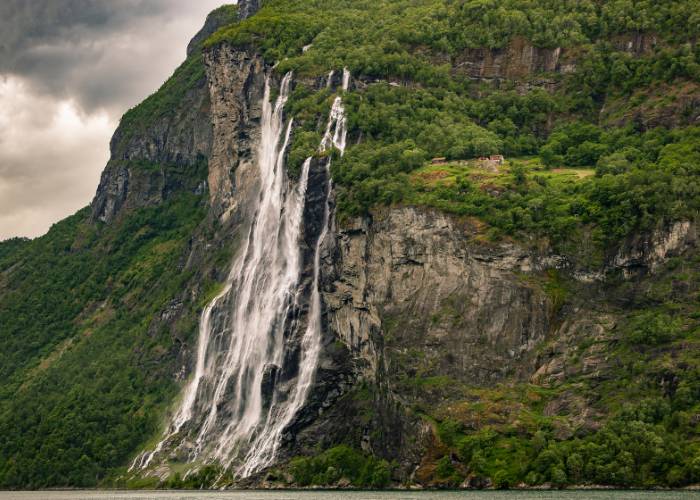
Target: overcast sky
column 68, row 70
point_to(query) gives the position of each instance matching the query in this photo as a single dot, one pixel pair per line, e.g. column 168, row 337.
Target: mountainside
column 308, row 263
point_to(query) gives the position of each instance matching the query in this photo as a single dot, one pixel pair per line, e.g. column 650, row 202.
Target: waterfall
column 224, row 415
column 264, row 450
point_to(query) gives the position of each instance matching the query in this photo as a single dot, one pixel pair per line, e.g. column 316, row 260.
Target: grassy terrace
column 434, row 176
column 471, row 188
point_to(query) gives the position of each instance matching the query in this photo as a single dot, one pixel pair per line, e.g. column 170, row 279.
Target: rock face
column 412, row 295
column 236, row 83
column 416, row 299
column 555, row 364
column 644, row 253
column 636, row 44
column 519, row 59
column 170, row 153
column 247, row 8
column 416, row 279
column 145, row 166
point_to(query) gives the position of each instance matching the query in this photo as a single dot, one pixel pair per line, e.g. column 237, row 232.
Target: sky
column 68, row 70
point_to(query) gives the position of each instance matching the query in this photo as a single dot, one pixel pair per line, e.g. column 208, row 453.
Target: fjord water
column 354, row 495
column 224, row 415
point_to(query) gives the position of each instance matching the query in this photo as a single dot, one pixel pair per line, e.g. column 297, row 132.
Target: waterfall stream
column 234, row 409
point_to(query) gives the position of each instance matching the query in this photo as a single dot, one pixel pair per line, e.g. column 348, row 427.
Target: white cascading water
column 263, row 452
column 222, row 416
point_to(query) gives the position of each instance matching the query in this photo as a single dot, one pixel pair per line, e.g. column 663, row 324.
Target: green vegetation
column 86, row 365
column 432, row 109
column 604, row 150
column 631, row 423
column 84, row 375
column 380, row 38
column 163, row 102
column 309, row 108
column 341, row 463
column 204, row 478
column 221, row 16
column 642, row 446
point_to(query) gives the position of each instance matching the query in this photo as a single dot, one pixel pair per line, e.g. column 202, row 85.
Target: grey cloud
column 95, row 51
column 48, row 159
column 68, row 70
column 26, row 22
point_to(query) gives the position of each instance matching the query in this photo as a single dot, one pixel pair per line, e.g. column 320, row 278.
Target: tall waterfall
column 234, row 409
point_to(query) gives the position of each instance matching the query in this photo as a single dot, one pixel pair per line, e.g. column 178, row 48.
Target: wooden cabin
column 498, row 159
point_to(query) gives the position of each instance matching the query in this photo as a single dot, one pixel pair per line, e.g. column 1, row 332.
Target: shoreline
column 597, row 487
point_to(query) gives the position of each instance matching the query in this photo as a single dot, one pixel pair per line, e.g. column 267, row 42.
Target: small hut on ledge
column 490, row 163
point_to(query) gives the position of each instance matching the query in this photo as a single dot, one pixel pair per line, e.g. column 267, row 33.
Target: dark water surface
column 351, row 495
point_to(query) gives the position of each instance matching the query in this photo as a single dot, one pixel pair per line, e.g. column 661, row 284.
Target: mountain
column 437, row 243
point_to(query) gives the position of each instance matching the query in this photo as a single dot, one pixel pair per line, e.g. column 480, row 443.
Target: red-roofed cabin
column 498, row 159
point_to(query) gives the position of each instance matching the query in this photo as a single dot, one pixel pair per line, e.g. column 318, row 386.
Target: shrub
column 340, row 462
column 502, row 480
column 652, row 328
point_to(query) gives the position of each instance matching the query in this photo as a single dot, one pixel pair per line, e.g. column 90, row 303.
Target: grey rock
column 414, row 279
column 215, row 20
column 236, row 83
column 247, row 8
column 173, row 146
column 644, row 253
column 518, row 61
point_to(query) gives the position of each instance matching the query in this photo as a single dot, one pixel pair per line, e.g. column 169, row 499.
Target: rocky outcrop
column 198, row 145
column 247, row 8
column 563, row 359
column 644, row 253
column 154, row 156
column 416, row 279
column 163, row 149
column 413, row 278
column 636, row 44
column 519, row 60
column 111, row 192
column 236, row 83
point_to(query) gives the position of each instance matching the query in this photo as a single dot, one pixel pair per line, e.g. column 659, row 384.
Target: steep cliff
column 437, row 322
column 275, row 285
